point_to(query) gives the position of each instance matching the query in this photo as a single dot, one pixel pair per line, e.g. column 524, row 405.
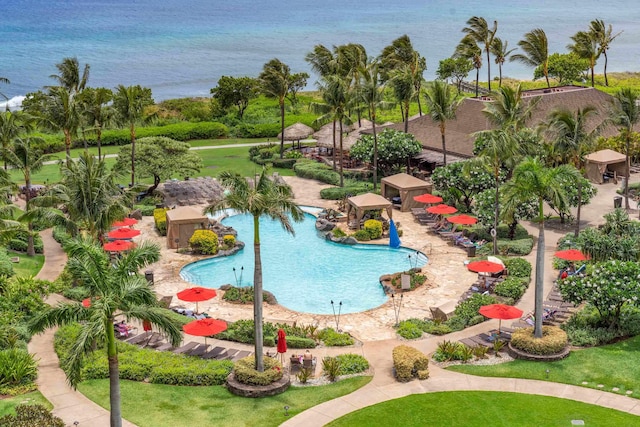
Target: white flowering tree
column 395, row 149
column 608, row 286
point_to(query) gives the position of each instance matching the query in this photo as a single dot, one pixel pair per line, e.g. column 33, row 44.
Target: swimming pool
column 305, row 272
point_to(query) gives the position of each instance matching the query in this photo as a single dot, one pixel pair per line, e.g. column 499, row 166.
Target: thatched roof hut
column 296, row 132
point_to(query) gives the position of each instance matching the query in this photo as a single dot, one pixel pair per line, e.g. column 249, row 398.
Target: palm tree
column 323, row 61
column 400, row 55
column 28, row 160
column 12, row 125
column 604, row 37
column 478, row 30
column 351, row 58
column 6, row 81
column 536, row 51
column 275, row 80
column 585, row 45
column 533, row 180
column 508, row 109
column 442, row 105
column 69, row 76
column 501, row 52
column 263, row 197
column 61, row 113
column 401, row 82
column 115, row 289
column 468, row 49
column 130, row 103
column 624, row 114
column 96, row 111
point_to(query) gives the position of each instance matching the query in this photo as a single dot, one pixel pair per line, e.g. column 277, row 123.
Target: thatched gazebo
column 296, row 132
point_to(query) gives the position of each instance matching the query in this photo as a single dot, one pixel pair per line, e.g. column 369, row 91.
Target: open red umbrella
column 118, row 245
column 442, row 210
column 123, row 233
column 462, row 219
column 205, row 327
column 86, row 302
column 427, row 198
column 282, row 343
column 196, row 294
column 485, row 267
column 500, row 311
column 127, row 222
column 571, row 255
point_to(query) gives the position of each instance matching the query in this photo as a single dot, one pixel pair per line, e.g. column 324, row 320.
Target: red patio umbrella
column 118, row 245
column 86, row 302
column 485, row 267
column 427, row 198
column 462, row 219
column 123, row 233
column 127, row 222
column 282, row 343
column 571, row 255
column 205, row 327
column 500, row 311
column 442, row 209
column 196, row 294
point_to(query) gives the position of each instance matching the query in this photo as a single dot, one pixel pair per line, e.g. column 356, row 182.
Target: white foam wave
column 14, row 103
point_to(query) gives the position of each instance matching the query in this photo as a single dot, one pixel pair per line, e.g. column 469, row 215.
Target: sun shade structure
column 205, row 327
column 485, row 267
column 118, row 246
column 406, row 187
column 367, row 202
column 196, row 294
column 500, row 311
column 181, row 223
column 296, row 132
column 427, row 198
column 282, row 344
column 123, row 233
column 127, row 222
column 442, row 210
column 462, row 219
column 596, row 164
column 571, row 255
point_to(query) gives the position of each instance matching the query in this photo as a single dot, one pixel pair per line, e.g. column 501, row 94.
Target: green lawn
column 178, row 406
column 7, row 405
column 484, row 408
column 612, row 366
column 28, row 266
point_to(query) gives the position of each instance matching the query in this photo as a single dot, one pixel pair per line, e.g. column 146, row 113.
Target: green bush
column 301, row 342
column 19, row 242
column 160, row 220
column 409, row 362
column 553, row 340
column 77, row 293
column 229, row 240
column 586, row 328
column 511, row 287
column 31, row 415
column 183, row 131
column 352, row 364
column 332, row 338
column 409, row 330
column 284, row 163
column 245, row 373
column 331, row 367
column 361, row 235
column 338, row 232
column 61, row 235
column 6, row 266
column 517, row 267
column 374, row 228
column 204, row 242
column 350, row 189
column 467, row 311
column 190, row 374
column 262, row 130
column 145, row 210
column 17, row 367
column 483, row 232
column 510, row 247
column 452, row 350
column 311, row 169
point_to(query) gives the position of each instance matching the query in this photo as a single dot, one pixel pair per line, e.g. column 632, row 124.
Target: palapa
column 296, row 132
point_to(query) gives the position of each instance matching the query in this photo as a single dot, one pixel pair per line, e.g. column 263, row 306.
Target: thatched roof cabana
column 296, row 132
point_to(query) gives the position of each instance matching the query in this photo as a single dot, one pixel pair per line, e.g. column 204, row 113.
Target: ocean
column 180, row 48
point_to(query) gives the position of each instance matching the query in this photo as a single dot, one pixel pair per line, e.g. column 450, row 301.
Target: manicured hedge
column 160, row 219
column 314, row 170
column 245, row 372
column 19, row 242
column 512, row 287
column 553, row 340
column 409, row 363
column 351, row 188
column 204, row 242
column 184, row 131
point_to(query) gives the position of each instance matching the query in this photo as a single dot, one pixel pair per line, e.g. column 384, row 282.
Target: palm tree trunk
column 606, row 80
column 593, row 82
column 406, row 117
column 67, row 144
column 419, row 105
column 627, row 171
column 545, row 69
column 488, row 69
column 496, row 208
column 281, row 128
column 341, row 158
column 99, row 141
column 257, row 295
column 539, row 289
column 444, row 143
column 500, row 72
column 114, row 377
column 477, row 80
column 577, row 230
column 132, row 131
column 333, row 153
column 375, row 151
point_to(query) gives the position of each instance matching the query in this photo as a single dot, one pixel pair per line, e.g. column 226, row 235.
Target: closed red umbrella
column 123, row 233
column 127, row 222
column 205, row 327
column 196, row 294
column 118, row 245
column 500, row 311
column 571, row 255
column 282, row 343
column 427, row 198
column 442, row 210
column 462, row 219
column 485, row 267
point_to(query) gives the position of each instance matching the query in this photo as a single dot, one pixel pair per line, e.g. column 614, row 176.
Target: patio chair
column 211, row 354
column 190, row 345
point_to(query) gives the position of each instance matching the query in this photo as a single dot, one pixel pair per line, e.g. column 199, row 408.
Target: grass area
column 28, row 265
column 612, row 366
column 199, row 406
column 484, row 408
column 7, row 405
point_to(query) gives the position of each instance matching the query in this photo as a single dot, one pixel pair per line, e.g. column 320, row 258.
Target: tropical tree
column 116, row 289
column 395, row 148
column 402, row 62
column 323, row 61
column 478, row 30
column 262, row 197
column 298, row 82
column 469, row 50
column 500, row 50
column 96, row 110
column 61, row 112
column 12, row 125
column 275, row 82
column 69, row 75
column 624, row 114
column 585, row 46
column 603, row 36
column 508, row 109
column 403, row 91
column 235, row 92
column 130, row 103
column 442, row 105
column 456, row 69
column 532, row 180
column 564, row 67
column 352, row 58
column 536, row 51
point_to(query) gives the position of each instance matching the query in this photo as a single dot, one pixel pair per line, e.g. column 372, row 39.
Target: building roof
column 186, row 214
column 405, row 181
column 606, row 157
column 369, row 201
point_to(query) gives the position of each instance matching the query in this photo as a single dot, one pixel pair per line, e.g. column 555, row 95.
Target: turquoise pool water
column 305, row 272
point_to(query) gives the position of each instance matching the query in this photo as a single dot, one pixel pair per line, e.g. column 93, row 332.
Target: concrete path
column 70, row 405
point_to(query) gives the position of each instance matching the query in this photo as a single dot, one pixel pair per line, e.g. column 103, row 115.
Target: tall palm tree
column 532, row 180
column 275, row 81
column 478, row 30
column 323, row 61
column 96, row 110
column 508, row 109
column 61, row 113
column 28, row 160
column 536, row 51
column 624, row 114
column 401, row 82
column 263, row 197
column 12, row 125
column 130, row 103
column 500, row 50
column 442, row 105
column 468, row 49
column 116, row 289
column 604, row 37
column 351, row 58
column 69, row 75
column 585, row 45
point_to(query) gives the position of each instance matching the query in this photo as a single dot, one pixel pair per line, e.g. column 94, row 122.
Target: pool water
column 305, row 272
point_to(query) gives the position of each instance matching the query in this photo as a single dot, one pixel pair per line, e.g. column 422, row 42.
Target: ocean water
column 182, row 47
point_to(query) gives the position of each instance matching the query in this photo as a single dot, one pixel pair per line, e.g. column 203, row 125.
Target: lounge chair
column 240, row 355
column 211, row 354
column 190, row 345
column 228, row 354
column 199, row 350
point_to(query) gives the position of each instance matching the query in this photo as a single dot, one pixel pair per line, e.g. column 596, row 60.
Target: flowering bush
column 204, row 242
column 229, row 240
column 160, row 219
column 245, row 372
column 374, row 228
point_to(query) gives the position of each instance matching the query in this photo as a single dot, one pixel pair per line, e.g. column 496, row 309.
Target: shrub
column 409, row 362
column 17, row 367
column 190, row 374
column 204, row 242
column 183, row 131
column 374, row 228
column 19, row 242
column 331, row 367
column 553, row 340
column 408, row 329
column 361, row 235
column 160, row 219
column 293, row 154
column 304, row 375
column 349, row 189
column 77, row 293
column 518, row 267
column 319, row 171
column 31, row 415
column 61, row 235
column 229, row 240
column 284, row 163
column 246, row 374
column 6, row 266
column 511, row 287
column 145, row 210
column 352, row 364
column 332, row 338
column 468, row 309
column 301, row 342
column 338, row 232
column 451, row 350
